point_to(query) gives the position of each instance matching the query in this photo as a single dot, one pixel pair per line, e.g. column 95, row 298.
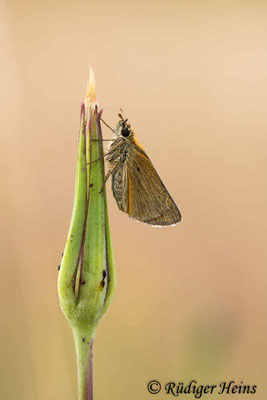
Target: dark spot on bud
column 102, row 283
column 58, row 267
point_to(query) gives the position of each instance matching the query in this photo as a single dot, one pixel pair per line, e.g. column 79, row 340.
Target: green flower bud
column 86, row 279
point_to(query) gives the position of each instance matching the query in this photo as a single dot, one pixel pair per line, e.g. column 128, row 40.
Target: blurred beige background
column 191, row 299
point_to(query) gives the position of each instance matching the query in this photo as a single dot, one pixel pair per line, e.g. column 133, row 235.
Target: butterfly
column 136, row 185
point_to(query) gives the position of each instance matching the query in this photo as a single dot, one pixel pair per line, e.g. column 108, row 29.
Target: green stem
column 84, row 341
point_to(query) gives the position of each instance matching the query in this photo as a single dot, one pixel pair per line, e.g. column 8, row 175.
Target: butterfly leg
column 107, row 125
column 105, row 154
column 110, row 172
column 103, row 140
column 99, row 158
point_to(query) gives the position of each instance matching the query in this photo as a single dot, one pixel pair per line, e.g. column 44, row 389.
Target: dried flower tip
column 90, row 96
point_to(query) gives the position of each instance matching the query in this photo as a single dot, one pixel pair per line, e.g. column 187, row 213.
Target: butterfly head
column 123, row 128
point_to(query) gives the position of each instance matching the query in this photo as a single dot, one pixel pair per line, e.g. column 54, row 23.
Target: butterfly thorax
column 119, row 150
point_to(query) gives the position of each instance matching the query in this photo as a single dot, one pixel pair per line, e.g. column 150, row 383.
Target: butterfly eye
column 125, row 132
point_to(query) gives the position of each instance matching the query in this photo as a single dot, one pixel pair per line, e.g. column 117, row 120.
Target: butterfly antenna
column 121, row 115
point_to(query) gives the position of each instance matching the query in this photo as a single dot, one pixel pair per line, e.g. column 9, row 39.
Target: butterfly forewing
column 146, row 198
